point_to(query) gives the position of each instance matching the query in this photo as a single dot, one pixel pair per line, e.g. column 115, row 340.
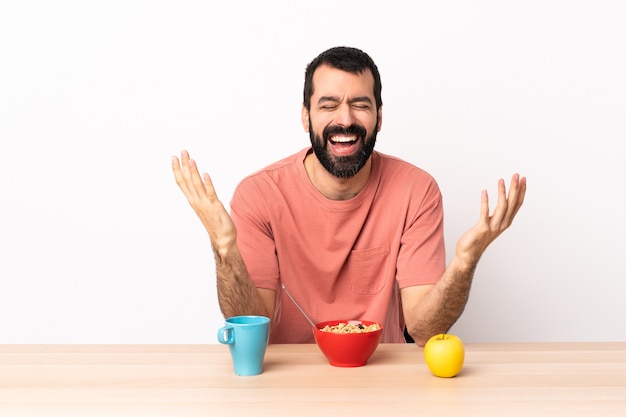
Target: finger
column 186, row 176
column 191, row 176
column 196, row 185
column 175, row 166
column 178, row 175
column 514, row 192
column 187, row 165
column 499, row 214
column 511, row 200
column 184, row 163
column 484, row 207
column 208, row 186
column 520, row 193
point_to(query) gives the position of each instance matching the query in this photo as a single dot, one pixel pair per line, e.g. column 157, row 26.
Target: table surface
column 538, row 379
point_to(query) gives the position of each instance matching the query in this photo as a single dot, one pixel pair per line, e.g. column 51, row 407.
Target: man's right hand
column 203, row 199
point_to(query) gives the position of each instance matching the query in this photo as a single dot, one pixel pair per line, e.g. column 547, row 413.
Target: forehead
column 332, row 82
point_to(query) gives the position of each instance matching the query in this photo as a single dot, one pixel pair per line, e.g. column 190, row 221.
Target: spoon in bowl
column 306, row 316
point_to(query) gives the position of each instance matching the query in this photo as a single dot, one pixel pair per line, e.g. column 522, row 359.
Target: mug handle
column 227, row 330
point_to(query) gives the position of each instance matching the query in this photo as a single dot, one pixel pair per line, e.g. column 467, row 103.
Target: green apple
column 444, row 355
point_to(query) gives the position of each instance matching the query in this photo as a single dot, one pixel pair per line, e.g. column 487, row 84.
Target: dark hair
column 346, row 59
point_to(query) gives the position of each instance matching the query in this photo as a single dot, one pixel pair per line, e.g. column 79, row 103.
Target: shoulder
column 273, row 175
column 282, row 164
column 393, row 168
column 412, row 190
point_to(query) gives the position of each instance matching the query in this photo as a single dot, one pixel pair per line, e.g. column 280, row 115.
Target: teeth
column 343, row 139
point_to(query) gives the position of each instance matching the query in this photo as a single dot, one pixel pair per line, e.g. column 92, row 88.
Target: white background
column 98, row 245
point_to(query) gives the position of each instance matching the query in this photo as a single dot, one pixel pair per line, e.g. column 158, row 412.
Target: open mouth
column 343, row 140
column 343, row 145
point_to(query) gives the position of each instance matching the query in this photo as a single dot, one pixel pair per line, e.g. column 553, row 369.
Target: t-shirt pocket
column 368, row 269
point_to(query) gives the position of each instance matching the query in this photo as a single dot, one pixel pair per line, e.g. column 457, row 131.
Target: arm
column 433, row 309
column 236, row 292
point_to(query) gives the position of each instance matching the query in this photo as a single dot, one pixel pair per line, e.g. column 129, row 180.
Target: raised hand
column 473, row 243
column 203, row 199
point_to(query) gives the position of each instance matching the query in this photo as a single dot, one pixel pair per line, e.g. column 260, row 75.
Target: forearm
column 236, row 292
column 444, row 304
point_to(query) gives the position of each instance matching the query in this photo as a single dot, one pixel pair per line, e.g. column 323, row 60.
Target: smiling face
column 343, row 120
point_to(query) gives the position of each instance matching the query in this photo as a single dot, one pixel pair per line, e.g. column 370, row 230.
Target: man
column 350, row 232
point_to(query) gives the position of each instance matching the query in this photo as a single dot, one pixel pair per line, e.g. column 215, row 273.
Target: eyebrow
column 360, row 99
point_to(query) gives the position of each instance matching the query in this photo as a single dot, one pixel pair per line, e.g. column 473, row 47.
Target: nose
column 344, row 116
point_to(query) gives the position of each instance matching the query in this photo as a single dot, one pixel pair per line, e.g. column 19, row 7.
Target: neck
column 332, row 187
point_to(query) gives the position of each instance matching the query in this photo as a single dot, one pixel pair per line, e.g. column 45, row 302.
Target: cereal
column 351, row 328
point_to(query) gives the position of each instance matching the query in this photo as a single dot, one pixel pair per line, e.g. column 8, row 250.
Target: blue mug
column 247, row 338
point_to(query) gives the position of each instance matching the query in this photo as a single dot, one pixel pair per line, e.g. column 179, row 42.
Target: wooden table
column 547, row 379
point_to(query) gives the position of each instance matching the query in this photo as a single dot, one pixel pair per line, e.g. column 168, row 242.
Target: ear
column 305, row 119
column 379, row 123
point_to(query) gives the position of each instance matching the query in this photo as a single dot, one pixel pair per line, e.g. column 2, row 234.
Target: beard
column 343, row 166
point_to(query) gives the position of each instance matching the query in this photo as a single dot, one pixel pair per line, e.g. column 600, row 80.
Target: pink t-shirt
column 341, row 260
